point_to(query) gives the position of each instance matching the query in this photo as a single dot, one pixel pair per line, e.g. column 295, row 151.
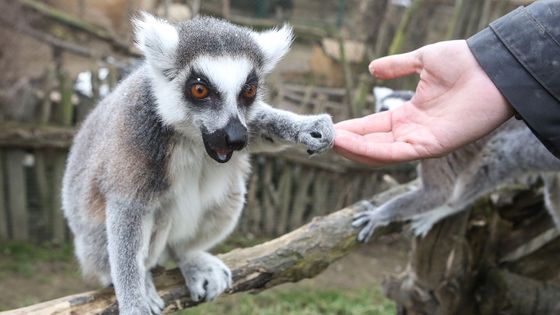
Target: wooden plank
column 44, row 188
column 58, row 223
column 4, row 233
column 285, row 192
column 17, row 195
column 65, row 110
column 14, row 135
column 253, row 210
column 320, row 193
column 269, row 208
column 301, row 199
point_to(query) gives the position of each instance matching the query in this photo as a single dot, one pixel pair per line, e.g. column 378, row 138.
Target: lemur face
column 207, row 74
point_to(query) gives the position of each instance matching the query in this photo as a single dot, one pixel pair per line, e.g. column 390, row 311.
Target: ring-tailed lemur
column 451, row 183
column 147, row 176
column 388, row 99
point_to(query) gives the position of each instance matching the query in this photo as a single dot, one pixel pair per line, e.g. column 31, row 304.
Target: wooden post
column 195, row 7
column 268, row 199
column 41, row 177
column 66, row 108
column 4, row 233
column 46, row 106
column 452, row 32
column 285, row 187
column 438, row 280
column 301, row 199
column 226, row 9
column 17, row 195
column 348, row 81
column 57, row 220
column 400, row 35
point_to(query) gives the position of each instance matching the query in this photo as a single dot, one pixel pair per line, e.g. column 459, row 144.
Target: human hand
column 455, row 103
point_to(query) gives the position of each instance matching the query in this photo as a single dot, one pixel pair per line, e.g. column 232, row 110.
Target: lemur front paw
column 367, row 220
column 206, row 276
column 317, row 133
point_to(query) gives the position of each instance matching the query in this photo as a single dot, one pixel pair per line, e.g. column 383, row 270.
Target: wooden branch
column 30, row 137
column 300, row 254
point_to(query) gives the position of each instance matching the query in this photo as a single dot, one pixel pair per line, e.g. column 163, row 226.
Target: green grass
column 20, row 258
column 299, row 301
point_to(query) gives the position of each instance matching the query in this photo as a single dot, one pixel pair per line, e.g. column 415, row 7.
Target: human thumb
column 396, row 66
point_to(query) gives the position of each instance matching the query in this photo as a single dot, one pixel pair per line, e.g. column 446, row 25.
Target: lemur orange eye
column 199, row 91
column 250, row 91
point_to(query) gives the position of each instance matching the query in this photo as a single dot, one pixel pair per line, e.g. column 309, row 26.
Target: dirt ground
column 363, row 268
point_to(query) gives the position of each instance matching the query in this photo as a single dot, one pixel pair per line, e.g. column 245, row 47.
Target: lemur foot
column 317, row 133
column 367, row 220
column 421, row 224
column 206, row 276
column 154, row 300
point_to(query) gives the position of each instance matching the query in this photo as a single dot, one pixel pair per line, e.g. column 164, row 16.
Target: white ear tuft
column 274, row 43
column 158, row 41
column 381, row 92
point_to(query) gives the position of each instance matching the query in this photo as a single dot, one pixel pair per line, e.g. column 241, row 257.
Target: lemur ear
column 381, row 92
column 274, row 43
column 158, row 41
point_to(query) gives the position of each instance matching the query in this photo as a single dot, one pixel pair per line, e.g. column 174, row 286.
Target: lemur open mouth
column 221, row 143
column 219, row 155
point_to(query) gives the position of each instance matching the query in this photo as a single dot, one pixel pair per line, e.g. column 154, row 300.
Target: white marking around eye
column 228, row 75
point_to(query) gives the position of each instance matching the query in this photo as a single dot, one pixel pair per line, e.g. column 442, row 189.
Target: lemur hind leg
column 400, row 208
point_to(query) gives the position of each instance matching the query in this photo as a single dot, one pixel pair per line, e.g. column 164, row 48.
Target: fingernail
column 371, row 69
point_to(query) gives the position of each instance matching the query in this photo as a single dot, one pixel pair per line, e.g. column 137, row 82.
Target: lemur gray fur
column 147, row 177
column 451, row 183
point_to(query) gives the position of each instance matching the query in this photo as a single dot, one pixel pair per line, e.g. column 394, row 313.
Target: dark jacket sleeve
column 520, row 52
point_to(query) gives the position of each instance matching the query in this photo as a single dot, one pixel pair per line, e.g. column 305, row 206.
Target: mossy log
column 303, row 253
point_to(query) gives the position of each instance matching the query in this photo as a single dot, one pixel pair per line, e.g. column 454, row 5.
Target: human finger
column 378, row 122
column 357, row 158
column 396, row 66
column 377, row 152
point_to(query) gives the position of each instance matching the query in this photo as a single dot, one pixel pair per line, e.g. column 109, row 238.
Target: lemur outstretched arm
column 267, row 125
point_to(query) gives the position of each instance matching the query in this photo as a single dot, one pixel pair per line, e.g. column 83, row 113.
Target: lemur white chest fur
column 198, row 185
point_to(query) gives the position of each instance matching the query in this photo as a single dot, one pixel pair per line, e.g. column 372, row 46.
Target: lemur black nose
column 236, row 135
